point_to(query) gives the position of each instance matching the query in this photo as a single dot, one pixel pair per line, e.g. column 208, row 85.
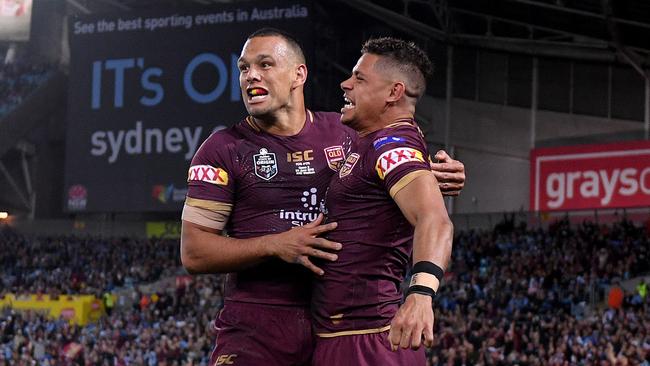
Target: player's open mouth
column 349, row 104
column 256, row 94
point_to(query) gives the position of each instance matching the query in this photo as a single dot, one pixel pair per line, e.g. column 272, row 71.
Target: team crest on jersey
column 266, row 166
column 335, row 157
column 350, row 162
column 391, row 159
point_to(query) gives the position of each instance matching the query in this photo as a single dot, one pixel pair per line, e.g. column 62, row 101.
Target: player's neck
column 285, row 122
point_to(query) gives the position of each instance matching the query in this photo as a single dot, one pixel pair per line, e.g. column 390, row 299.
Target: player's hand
column 450, row 174
column 300, row 243
column 413, row 320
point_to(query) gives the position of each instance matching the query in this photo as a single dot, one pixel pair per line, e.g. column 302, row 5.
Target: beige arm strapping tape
column 214, row 217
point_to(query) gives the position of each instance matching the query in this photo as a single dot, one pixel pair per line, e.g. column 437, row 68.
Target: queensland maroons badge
column 350, row 162
column 335, row 157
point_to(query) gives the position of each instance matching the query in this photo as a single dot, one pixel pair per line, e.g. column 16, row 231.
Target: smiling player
column 389, row 209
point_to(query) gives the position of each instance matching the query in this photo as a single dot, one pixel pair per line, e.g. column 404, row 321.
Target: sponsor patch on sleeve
column 208, row 174
column 386, row 140
column 391, row 159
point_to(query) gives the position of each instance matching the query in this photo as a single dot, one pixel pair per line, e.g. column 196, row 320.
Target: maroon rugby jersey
column 361, row 290
column 274, row 183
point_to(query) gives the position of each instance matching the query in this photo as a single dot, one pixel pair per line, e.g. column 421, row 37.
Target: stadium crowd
column 17, row 80
column 521, row 297
column 74, row 265
column 512, row 296
column 170, row 328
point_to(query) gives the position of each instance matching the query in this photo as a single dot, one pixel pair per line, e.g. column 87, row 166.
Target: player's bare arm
column 205, row 250
column 450, row 174
column 432, row 242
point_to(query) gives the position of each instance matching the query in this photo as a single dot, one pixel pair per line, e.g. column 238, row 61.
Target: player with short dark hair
column 389, row 209
column 263, row 182
column 291, row 42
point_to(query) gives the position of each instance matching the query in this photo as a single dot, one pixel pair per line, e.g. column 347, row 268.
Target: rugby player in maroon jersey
column 389, row 209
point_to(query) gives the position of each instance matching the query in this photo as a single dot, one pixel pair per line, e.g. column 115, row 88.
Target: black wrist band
column 422, row 290
column 428, row 267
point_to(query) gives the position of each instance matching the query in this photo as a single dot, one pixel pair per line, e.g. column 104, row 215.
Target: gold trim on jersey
column 336, row 319
column 208, row 205
column 354, row 332
column 406, row 180
column 397, row 124
column 251, row 122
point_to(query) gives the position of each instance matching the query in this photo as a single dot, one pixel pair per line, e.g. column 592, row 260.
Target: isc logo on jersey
column 391, row 159
column 208, row 174
column 226, row 359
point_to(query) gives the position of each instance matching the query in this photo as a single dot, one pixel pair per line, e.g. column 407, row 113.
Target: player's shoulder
column 219, row 143
column 328, row 119
column 223, row 137
column 406, row 128
column 330, row 123
column 397, row 134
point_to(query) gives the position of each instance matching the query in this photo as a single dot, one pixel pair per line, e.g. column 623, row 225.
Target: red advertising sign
column 590, row 176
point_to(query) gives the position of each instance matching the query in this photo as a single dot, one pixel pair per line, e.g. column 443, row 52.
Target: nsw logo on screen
column 77, row 197
column 167, row 194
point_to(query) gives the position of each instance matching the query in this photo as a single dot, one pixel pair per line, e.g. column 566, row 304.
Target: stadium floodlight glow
column 3, row 215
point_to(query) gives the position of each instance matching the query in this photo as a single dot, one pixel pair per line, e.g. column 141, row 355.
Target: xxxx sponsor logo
column 391, row 159
column 208, row 174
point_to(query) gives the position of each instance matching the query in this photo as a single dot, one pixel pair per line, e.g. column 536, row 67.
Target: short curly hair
column 406, row 57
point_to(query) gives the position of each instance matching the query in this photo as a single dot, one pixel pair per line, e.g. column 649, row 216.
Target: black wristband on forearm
column 428, row 267
column 422, row 290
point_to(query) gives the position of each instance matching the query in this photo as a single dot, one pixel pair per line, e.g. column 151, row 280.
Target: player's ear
column 301, row 75
column 397, row 91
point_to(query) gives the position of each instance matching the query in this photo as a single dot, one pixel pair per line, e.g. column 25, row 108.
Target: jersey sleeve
column 400, row 156
column 210, row 178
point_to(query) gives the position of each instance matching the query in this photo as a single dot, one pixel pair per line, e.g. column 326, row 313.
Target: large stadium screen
column 15, row 19
column 145, row 90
